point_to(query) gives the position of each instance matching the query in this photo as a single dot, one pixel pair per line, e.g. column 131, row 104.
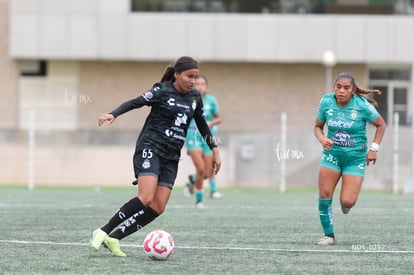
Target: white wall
column 53, row 98
column 106, row 29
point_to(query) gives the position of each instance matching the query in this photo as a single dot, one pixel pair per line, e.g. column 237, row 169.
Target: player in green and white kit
column 198, row 149
column 345, row 152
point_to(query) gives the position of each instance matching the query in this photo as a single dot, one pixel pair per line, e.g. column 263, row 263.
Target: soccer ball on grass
column 158, row 245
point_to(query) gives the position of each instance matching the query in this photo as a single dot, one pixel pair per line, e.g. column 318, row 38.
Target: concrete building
column 63, row 63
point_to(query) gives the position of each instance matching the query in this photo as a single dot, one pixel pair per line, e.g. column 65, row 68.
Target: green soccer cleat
column 113, row 245
column 98, row 238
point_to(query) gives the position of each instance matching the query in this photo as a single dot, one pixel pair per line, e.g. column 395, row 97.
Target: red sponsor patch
column 148, row 95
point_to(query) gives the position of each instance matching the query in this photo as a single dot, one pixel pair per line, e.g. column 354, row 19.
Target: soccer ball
column 158, row 245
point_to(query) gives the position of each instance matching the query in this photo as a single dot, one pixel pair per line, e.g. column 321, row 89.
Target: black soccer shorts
column 147, row 162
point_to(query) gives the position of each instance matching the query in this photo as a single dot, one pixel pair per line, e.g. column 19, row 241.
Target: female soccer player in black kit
column 174, row 102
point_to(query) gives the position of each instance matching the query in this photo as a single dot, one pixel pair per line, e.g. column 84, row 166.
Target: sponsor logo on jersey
column 177, row 129
column 343, row 139
column 171, row 101
column 183, row 106
column 170, row 133
column 148, row 95
column 329, row 112
column 180, row 119
column 340, row 123
column 146, row 164
column 354, row 114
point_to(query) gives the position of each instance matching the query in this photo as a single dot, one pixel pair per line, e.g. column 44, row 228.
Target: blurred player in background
column 198, row 148
column 174, row 103
column 345, row 152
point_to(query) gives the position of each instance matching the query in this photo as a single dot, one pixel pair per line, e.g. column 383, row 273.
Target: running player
column 174, row 102
column 198, row 149
column 345, row 152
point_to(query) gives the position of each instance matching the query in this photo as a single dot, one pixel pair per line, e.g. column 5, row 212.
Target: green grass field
column 250, row 231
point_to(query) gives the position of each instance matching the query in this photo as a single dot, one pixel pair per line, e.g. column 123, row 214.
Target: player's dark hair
column 182, row 64
column 359, row 91
column 168, row 74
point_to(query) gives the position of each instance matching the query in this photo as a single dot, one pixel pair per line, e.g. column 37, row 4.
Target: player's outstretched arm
column 106, row 117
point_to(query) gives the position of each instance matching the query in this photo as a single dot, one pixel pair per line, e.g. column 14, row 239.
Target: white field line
column 227, row 248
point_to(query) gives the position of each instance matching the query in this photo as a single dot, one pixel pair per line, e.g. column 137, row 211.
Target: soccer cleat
column 327, row 240
column 345, row 210
column 98, row 238
column 216, row 195
column 191, row 184
column 113, row 245
column 187, row 192
column 199, row 205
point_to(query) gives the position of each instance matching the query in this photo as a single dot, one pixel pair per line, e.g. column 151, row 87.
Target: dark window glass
column 401, row 74
column 33, row 68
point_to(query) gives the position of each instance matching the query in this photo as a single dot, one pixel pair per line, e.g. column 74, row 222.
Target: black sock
column 127, row 210
column 135, row 223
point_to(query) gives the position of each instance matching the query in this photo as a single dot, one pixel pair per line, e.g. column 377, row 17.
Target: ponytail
column 363, row 92
column 168, row 74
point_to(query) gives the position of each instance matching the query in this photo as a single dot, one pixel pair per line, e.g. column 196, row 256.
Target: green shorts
column 345, row 164
column 194, row 141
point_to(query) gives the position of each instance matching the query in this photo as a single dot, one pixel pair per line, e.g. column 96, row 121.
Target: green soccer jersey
column 210, row 110
column 166, row 125
column 346, row 125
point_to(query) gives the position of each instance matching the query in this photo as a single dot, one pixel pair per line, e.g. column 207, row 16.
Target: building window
column 395, row 98
column 33, row 68
column 277, row 6
column 221, row 6
column 397, row 74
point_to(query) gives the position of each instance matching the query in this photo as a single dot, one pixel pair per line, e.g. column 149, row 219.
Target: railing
column 276, row 6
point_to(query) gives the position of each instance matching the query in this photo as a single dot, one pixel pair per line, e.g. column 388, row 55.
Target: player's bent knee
column 347, row 203
column 146, row 200
column 159, row 209
column 201, row 174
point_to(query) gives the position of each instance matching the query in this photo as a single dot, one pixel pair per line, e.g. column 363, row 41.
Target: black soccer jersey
column 166, row 126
